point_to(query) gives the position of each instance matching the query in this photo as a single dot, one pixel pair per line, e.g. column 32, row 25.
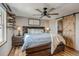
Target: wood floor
column 68, row 52
column 16, row 51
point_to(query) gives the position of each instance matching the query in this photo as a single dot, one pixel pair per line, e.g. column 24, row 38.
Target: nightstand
column 17, row 41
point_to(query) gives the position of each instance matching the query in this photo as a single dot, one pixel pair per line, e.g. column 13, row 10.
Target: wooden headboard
column 25, row 28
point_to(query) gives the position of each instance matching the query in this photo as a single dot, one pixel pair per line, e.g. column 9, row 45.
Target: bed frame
column 38, row 48
column 25, row 28
column 42, row 47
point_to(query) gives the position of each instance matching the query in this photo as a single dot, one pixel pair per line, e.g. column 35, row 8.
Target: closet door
column 77, row 32
column 69, row 30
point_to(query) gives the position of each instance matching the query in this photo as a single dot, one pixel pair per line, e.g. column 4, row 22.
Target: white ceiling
column 28, row 9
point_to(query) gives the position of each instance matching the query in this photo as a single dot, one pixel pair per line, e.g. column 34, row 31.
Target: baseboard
column 10, row 51
column 72, row 49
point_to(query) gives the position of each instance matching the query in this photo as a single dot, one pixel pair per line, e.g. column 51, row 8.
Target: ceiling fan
column 46, row 12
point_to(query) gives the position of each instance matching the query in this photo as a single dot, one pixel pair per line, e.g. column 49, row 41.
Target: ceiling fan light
column 45, row 8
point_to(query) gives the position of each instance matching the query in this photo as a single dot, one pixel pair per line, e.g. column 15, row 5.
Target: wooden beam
column 7, row 7
column 68, row 15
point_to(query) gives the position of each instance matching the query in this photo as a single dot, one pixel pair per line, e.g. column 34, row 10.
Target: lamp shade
column 47, row 29
column 18, row 28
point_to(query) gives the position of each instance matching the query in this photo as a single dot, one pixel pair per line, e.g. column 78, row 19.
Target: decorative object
column 47, row 29
column 10, row 22
column 19, row 30
column 34, row 22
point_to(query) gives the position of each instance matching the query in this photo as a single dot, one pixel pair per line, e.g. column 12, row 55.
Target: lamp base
column 19, row 33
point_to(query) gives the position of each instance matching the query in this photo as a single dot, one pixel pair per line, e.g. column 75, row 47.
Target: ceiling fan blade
column 53, row 14
column 36, row 14
column 51, row 9
column 38, row 10
column 48, row 16
column 41, row 16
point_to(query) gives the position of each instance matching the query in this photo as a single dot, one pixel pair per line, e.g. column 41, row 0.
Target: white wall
column 77, row 32
column 23, row 21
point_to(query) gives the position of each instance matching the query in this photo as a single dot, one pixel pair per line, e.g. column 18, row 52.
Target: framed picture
column 34, row 22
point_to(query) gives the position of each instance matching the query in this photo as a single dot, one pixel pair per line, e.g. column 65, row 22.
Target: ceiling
column 28, row 9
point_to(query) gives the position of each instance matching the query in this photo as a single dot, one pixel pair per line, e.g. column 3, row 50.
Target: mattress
column 32, row 40
column 38, row 43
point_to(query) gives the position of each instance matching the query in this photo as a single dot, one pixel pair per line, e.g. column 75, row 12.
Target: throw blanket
column 55, row 42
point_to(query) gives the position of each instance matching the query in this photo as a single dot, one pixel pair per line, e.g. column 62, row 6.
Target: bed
column 35, row 39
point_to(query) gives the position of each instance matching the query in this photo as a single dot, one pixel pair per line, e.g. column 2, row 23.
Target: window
column 35, row 22
column 2, row 26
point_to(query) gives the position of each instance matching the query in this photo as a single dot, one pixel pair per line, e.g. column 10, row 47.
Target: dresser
column 17, row 41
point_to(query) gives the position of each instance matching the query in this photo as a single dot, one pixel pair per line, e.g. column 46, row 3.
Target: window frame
column 3, row 25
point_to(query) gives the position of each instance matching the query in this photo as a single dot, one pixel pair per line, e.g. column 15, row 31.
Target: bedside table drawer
column 17, row 41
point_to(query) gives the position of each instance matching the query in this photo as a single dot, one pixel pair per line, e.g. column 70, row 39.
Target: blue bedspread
column 31, row 40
